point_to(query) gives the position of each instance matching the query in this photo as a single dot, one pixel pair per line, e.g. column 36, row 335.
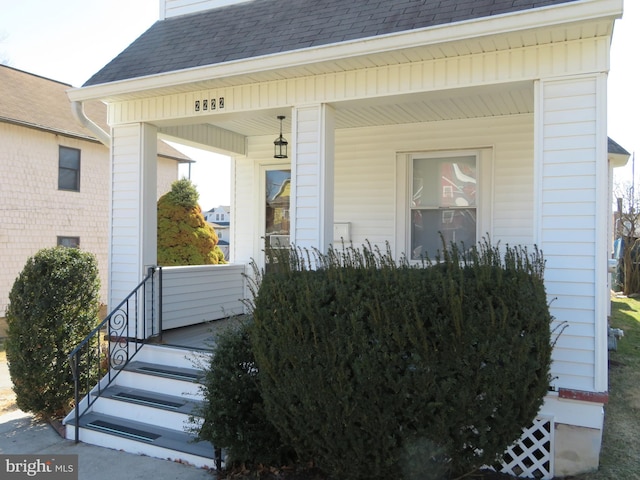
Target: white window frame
column 404, row 187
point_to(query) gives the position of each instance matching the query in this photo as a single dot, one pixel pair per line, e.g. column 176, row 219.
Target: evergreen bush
column 233, row 412
column 375, row 369
column 184, row 236
column 53, row 304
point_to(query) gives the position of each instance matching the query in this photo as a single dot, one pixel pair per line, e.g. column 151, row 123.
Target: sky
column 70, row 40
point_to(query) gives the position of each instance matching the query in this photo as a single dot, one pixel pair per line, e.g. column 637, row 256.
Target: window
column 442, row 202
column 71, row 242
column 69, row 169
column 277, row 203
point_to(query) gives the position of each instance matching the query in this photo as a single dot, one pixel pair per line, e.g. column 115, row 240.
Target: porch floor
column 200, row 336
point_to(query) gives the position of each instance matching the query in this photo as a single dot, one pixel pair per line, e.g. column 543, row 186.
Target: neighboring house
column 404, row 119
column 54, row 187
column 220, row 218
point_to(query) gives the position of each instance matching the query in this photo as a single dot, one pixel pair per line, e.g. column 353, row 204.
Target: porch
column 201, row 336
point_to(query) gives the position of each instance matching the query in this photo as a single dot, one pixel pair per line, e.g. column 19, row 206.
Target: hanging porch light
column 280, row 143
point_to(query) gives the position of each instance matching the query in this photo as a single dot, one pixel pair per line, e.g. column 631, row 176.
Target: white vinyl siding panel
column 305, row 179
column 568, row 224
column 201, row 293
column 134, row 173
column 365, row 190
column 125, row 242
column 365, row 177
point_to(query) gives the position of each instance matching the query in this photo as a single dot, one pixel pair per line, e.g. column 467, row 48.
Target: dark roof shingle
column 263, row 27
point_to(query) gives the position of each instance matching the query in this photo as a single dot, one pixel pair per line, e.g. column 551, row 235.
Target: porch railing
column 115, row 341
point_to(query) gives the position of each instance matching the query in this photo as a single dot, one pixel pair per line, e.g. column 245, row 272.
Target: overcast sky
column 70, row 40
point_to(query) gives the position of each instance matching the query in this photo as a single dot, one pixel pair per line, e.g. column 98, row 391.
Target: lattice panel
column 532, row 455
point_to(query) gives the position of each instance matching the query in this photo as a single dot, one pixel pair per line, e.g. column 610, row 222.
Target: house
column 402, row 119
column 220, row 214
column 220, row 218
column 54, row 187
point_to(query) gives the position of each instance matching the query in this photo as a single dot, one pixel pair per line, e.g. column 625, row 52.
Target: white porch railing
column 197, row 294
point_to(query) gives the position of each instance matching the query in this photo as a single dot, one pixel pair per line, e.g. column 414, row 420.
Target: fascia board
column 571, row 12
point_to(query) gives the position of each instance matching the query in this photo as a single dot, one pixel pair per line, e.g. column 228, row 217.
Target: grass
column 620, row 454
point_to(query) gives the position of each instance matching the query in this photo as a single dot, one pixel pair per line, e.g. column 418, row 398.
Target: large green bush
column 376, row 370
column 184, row 236
column 53, row 305
column 233, row 412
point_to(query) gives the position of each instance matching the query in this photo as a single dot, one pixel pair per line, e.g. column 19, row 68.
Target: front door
column 277, row 202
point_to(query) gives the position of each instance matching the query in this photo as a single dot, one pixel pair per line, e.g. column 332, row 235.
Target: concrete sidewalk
column 21, row 434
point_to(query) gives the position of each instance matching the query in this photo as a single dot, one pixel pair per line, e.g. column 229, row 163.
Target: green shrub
column 184, row 236
column 375, row 370
column 234, row 417
column 53, row 305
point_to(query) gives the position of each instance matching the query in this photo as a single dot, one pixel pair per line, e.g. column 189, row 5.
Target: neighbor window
column 71, row 242
column 69, row 169
column 442, row 202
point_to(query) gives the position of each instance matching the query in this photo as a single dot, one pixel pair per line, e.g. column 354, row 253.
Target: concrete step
column 146, row 406
column 143, row 439
column 175, row 356
column 167, row 379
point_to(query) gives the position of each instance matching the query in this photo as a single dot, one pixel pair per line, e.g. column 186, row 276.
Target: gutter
column 77, row 108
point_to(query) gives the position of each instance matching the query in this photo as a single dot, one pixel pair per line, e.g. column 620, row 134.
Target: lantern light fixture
column 280, row 143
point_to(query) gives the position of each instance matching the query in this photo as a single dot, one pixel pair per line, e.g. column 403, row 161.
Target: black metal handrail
column 107, row 350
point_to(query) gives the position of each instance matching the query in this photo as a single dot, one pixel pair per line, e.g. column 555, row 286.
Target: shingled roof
column 263, row 27
column 40, row 103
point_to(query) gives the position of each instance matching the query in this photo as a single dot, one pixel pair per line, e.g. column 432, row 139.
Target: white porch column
column 133, row 228
column 312, row 167
column 572, row 214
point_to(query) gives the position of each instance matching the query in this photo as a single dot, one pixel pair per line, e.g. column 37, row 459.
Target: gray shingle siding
column 263, row 27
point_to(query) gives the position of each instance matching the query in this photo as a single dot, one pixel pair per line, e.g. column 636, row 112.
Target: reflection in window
column 443, row 202
column 277, row 202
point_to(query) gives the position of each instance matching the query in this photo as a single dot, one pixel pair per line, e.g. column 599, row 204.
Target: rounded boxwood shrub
column 233, row 412
column 373, row 369
column 53, row 304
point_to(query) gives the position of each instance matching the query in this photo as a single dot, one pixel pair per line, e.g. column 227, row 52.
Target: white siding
column 201, row 293
column 569, row 173
column 312, row 178
column 365, row 177
column 167, row 174
column 134, row 213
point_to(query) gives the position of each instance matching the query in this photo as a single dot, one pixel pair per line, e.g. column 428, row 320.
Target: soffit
column 475, row 102
column 196, row 79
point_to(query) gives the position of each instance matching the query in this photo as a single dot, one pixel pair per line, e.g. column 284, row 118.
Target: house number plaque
column 209, row 104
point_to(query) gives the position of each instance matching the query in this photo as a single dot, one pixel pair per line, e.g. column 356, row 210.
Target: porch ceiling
column 491, row 101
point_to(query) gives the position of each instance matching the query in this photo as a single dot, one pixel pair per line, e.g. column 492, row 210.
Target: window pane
column 67, row 179
column 68, row 169
column 456, row 225
column 71, row 242
column 444, row 182
column 277, row 201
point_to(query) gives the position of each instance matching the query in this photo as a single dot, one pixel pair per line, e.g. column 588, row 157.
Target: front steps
column 146, row 409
